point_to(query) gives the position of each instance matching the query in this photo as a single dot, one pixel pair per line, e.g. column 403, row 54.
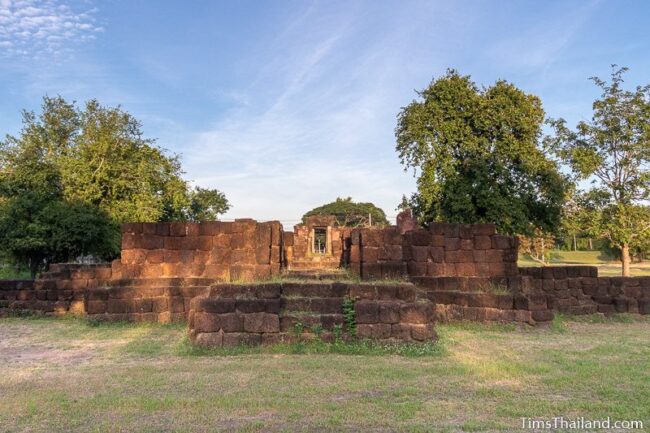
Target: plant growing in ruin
column 349, row 316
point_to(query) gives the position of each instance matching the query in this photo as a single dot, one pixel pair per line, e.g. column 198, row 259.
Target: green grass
column 71, row 375
column 606, row 266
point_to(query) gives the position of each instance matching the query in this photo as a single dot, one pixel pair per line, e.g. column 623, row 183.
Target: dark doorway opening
column 320, row 240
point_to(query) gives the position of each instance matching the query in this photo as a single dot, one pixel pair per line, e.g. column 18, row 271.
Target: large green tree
column 476, row 154
column 37, row 230
column 73, row 167
column 612, row 152
column 351, row 214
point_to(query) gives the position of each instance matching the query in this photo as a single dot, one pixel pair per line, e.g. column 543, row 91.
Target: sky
column 287, row 105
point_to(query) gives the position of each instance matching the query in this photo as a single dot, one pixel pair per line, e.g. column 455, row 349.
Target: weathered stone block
column 251, row 305
column 417, row 269
column 261, row 322
column 209, row 339
column 420, row 237
column 389, row 312
column 96, row 307
column 494, row 256
column 132, row 228
column 378, row 331
column 542, row 315
column 416, row 312
column 143, row 306
column 501, row 242
column 420, row 253
column 482, row 243
column 366, row 311
column 209, row 322
column 401, row 331
column 369, row 254
column 117, row 306
column 231, row 339
column 423, row 332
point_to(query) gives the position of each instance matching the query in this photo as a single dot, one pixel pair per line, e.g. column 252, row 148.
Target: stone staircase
column 316, row 274
column 312, row 306
column 263, row 313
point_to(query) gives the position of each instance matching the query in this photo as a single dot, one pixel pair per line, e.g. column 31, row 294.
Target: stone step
column 472, row 299
column 330, row 264
column 163, row 282
column 298, row 322
column 315, row 274
column 314, row 305
column 314, row 289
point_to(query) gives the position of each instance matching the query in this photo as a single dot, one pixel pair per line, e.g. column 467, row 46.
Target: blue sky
column 285, row 105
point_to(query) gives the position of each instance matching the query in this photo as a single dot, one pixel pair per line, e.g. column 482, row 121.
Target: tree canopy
column 351, row 214
column 91, row 168
column 475, row 152
column 612, row 153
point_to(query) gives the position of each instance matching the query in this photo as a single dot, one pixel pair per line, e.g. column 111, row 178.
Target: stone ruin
column 246, row 282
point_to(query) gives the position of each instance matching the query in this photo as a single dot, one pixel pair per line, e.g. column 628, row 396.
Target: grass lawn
column 606, row 266
column 65, row 375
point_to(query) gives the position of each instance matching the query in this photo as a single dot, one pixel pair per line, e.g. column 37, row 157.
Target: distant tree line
column 72, row 175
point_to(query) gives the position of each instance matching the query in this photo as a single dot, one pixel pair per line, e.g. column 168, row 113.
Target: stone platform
column 230, row 314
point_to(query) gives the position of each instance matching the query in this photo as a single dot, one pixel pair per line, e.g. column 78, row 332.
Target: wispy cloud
column 326, row 127
column 536, row 48
column 49, row 29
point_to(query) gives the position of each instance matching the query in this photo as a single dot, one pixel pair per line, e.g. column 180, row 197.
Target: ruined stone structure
column 223, row 278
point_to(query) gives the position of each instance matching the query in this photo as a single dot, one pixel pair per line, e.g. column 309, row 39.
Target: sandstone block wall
column 160, row 300
column 441, row 250
column 270, row 313
column 228, row 251
column 61, row 290
column 579, row 290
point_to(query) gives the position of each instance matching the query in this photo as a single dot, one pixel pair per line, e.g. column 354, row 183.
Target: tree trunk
column 33, row 268
column 591, row 245
column 625, row 259
column 575, row 243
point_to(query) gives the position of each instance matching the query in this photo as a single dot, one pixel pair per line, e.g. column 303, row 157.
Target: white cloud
column 45, row 29
column 539, row 46
column 316, row 123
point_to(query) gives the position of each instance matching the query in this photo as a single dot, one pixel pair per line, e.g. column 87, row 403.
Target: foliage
column 538, row 247
column 72, row 175
column 612, row 151
column 577, row 216
column 349, row 316
column 38, row 231
column 351, row 214
column 475, row 152
column 206, row 204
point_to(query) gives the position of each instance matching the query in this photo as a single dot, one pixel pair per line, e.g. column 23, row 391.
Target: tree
column 538, row 246
column 351, row 214
column 90, row 168
column 206, row 204
column 36, row 231
column 578, row 216
column 612, row 151
column 476, row 157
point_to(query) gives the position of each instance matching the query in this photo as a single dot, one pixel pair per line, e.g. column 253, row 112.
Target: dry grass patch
column 62, row 375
